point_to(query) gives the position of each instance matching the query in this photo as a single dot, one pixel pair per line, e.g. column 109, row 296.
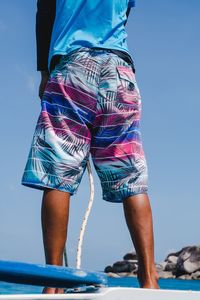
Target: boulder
column 123, row 266
column 134, row 261
column 183, row 264
column 108, row 269
column 171, row 267
column 172, row 259
column 196, row 275
column 175, row 253
column 114, row 275
column 165, row 274
column 185, row 277
column 124, row 274
column 161, row 265
column 130, row 256
column 188, row 261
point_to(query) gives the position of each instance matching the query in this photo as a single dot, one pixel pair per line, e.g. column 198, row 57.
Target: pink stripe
column 117, row 150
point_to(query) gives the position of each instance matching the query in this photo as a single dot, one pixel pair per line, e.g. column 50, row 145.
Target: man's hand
column 44, row 79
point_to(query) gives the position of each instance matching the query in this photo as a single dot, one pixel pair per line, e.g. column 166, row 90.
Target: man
column 90, row 105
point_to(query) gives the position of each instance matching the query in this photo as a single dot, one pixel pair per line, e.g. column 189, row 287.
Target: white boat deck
column 115, row 294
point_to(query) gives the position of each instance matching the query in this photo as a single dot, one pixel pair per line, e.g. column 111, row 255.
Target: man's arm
column 44, row 24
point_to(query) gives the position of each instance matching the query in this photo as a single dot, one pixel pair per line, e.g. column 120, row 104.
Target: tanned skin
column 138, row 215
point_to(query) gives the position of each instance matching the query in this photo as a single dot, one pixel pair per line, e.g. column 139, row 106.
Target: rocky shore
column 183, row 264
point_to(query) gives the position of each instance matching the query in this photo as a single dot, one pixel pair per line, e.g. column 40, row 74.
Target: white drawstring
column 87, row 213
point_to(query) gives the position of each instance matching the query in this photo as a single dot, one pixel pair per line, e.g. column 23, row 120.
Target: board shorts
column 91, row 106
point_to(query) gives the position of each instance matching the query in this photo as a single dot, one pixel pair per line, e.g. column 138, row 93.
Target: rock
column 114, row 275
column 183, row 264
column 172, row 259
column 130, row 256
column 196, row 275
column 186, row 276
column 125, row 274
column 134, row 261
column 136, row 269
column 162, row 265
column 175, row 253
column 123, row 266
column 188, row 261
column 165, row 274
column 170, row 267
column 108, row 269
column 159, row 267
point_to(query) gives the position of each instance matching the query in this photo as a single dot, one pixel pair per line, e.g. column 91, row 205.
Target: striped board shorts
column 91, row 105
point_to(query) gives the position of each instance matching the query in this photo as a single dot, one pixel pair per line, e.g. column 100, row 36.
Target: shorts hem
column 120, row 198
column 40, row 186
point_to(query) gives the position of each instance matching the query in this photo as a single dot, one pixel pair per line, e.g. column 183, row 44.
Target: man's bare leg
column 55, row 215
column 138, row 216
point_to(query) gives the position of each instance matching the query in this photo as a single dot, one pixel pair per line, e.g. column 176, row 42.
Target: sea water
column 172, row 284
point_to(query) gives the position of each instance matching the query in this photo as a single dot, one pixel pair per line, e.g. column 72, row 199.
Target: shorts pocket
column 127, row 90
column 126, row 78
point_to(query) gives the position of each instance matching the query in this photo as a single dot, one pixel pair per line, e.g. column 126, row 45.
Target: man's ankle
column 55, row 262
column 147, row 275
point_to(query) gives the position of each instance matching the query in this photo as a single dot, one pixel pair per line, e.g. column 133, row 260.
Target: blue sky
column 164, row 40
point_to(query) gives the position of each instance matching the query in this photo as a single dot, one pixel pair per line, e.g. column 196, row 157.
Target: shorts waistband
column 56, row 58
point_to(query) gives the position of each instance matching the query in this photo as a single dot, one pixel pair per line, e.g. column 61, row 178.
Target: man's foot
column 148, row 282
column 48, row 290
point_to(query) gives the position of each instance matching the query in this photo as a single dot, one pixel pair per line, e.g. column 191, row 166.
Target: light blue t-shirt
column 89, row 23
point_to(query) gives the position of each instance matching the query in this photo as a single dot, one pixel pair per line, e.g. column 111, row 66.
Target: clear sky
column 164, row 40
